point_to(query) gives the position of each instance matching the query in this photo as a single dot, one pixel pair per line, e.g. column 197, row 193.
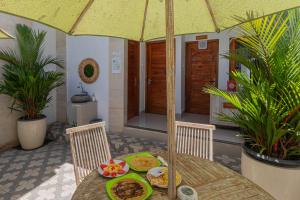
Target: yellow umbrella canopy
column 144, row 20
column 4, row 35
column 139, row 19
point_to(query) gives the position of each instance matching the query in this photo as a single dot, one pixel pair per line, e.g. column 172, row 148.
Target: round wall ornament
column 89, row 70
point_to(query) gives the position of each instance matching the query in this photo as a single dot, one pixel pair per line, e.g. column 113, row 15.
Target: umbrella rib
column 212, row 16
column 88, row 5
column 144, row 20
column 6, row 34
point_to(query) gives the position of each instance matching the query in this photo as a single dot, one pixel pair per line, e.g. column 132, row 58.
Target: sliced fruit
column 113, row 174
column 121, row 171
column 103, row 166
column 105, row 173
column 122, row 164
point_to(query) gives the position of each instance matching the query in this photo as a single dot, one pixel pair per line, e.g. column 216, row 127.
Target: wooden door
column 133, row 79
column 201, row 69
column 156, row 96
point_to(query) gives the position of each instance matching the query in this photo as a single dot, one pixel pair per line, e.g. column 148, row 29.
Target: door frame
column 147, row 72
column 186, row 68
column 138, row 77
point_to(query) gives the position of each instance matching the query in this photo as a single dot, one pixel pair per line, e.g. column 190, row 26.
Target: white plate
column 156, row 171
column 125, row 168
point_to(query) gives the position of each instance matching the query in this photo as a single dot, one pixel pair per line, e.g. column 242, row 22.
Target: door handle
column 149, row 81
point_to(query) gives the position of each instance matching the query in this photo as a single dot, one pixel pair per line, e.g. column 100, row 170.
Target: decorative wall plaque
column 201, row 37
column 116, row 63
column 89, row 70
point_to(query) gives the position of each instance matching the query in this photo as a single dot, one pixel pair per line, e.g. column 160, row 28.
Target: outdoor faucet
column 82, row 88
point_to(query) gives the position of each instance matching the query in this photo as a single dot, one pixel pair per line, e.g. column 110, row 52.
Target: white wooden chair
column 195, row 139
column 89, row 148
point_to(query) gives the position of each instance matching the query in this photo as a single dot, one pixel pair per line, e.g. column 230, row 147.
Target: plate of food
column 158, row 176
column 142, row 162
column 128, row 187
column 113, row 168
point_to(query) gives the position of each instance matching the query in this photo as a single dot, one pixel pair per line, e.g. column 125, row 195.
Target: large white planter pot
column 281, row 182
column 32, row 133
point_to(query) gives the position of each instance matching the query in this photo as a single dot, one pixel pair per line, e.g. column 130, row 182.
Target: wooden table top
column 211, row 180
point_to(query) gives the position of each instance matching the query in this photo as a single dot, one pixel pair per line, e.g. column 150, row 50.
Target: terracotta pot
column 281, row 182
column 32, row 133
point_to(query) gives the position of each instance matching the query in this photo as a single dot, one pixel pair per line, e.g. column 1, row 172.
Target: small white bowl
column 186, row 192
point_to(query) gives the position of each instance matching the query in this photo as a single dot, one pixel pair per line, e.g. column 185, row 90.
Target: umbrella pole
column 170, row 72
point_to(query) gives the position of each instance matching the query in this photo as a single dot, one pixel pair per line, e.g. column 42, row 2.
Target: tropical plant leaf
column 268, row 101
column 25, row 78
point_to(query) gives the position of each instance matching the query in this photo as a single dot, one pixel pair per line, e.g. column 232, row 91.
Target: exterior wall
column 49, row 49
column 8, row 119
column 143, row 72
column 118, row 86
column 182, row 54
column 82, row 47
column 180, row 75
column 111, row 88
column 223, row 68
column 222, row 71
column 61, row 92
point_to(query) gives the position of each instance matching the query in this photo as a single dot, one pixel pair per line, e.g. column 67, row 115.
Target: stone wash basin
column 80, row 98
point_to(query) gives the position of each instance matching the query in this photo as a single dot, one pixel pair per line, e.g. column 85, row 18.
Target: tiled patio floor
column 47, row 172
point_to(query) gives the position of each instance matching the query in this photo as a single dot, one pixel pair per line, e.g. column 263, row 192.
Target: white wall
column 82, row 47
column 8, row 133
column 179, row 79
column 61, row 92
column 117, row 85
column 8, row 119
column 182, row 74
column 142, row 76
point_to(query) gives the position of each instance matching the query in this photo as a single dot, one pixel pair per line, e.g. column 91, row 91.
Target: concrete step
column 145, row 133
column 220, row 135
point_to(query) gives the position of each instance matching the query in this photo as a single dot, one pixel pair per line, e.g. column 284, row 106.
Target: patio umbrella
column 144, row 20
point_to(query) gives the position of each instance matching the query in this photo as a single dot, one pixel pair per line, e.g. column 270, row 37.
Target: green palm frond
column 268, row 102
column 25, row 77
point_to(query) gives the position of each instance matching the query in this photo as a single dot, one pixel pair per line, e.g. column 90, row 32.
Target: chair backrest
column 89, row 148
column 195, row 139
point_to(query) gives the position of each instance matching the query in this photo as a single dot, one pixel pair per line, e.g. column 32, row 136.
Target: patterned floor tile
column 47, row 173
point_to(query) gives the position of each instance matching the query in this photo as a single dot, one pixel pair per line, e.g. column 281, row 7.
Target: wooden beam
column 170, row 72
column 144, row 20
column 88, row 5
column 217, row 29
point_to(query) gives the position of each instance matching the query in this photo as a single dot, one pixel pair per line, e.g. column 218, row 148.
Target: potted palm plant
column 268, row 102
column 28, row 83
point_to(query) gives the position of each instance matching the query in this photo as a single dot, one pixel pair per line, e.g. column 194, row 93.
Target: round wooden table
column 211, row 180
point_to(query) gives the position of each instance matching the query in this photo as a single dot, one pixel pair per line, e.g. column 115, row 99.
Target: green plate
column 129, row 158
column 111, row 183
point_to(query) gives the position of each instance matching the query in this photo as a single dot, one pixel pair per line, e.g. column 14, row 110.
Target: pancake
column 129, row 189
column 162, row 180
column 144, row 163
